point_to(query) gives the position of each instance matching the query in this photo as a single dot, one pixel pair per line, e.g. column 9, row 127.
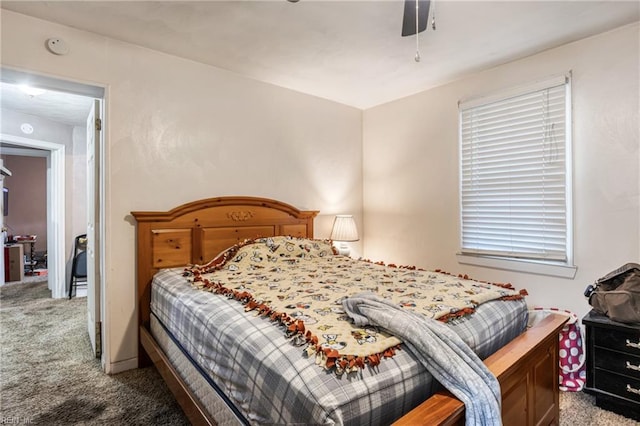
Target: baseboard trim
column 120, row 366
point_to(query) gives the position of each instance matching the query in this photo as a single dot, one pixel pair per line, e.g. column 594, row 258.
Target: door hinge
column 98, row 339
column 98, row 124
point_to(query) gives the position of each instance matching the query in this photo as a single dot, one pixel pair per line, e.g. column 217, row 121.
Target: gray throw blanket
column 443, row 353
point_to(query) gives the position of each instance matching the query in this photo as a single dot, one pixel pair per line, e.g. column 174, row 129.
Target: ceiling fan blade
column 409, row 18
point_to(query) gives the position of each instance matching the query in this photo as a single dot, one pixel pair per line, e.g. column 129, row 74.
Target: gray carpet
column 49, row 377
column 578, row 409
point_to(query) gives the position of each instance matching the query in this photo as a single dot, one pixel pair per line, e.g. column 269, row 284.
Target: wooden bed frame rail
column 527, row 367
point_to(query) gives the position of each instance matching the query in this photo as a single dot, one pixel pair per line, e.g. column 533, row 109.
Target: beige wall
column 27, row 198
column 178, row 131
column 411, row 167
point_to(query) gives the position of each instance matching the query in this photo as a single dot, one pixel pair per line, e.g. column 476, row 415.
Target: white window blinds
column 514, row 176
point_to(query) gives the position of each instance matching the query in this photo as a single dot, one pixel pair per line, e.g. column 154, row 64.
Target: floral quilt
column 301, row 283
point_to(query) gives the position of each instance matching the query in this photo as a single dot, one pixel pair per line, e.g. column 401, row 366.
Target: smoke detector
column 57, row 46
column 26, row 128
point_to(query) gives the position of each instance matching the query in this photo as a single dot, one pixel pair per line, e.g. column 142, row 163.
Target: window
column 515, row 180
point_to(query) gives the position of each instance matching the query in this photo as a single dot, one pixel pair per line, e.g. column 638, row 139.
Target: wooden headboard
column 196, row 232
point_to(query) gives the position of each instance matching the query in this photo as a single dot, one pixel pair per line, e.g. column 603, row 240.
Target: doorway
column 54, row 153
column 60, row 104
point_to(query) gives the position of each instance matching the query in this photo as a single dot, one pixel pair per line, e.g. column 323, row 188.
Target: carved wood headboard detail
column 196, row 232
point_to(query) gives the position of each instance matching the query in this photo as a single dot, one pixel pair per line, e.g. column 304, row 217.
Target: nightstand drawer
column 626, row 364
column 625, row 387
column 609, row 346
column 619, row 341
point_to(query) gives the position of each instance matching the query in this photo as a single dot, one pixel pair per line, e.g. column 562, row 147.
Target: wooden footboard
column 527, row 369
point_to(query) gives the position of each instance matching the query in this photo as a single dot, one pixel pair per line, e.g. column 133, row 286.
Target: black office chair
column 79, row 263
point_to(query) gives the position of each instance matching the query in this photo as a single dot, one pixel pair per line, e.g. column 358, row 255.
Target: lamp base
column 343, row 249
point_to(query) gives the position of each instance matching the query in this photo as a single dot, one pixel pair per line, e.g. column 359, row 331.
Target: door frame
column 55, row 154
column 96, row 91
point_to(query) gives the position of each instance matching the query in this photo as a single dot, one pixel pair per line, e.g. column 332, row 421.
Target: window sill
column 526, row 266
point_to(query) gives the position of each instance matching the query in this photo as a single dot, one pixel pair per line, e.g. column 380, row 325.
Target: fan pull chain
column 433, row 15
column 417, row 57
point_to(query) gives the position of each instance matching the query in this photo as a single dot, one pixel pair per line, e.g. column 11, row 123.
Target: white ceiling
column 347, row 51
column 60, row 107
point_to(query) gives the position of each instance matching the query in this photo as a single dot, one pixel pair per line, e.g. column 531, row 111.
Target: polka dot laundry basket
column 571, row 355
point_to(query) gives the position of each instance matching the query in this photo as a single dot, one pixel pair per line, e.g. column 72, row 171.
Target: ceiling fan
column 414, row 20
column 416, row 15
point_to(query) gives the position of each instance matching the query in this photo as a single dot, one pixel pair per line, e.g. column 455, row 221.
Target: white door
column 93, row 229
column 2, row 234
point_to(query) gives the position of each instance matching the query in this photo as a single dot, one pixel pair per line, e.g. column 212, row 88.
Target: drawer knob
column 632, row 344
column 632, row 367
column 632, row 390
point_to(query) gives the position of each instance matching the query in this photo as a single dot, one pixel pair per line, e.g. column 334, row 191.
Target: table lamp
column 344, row 230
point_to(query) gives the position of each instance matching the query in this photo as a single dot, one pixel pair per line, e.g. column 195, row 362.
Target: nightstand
column 613, row 364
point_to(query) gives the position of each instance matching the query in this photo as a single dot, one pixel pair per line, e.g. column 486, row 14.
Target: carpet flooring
column 48, row 375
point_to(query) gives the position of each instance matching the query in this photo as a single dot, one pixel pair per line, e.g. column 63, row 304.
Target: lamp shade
column 344, row 228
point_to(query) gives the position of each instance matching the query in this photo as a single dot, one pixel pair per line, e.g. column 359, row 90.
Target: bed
column 525, row 364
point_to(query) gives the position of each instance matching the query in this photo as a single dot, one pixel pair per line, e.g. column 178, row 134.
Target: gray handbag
column 617, row 294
